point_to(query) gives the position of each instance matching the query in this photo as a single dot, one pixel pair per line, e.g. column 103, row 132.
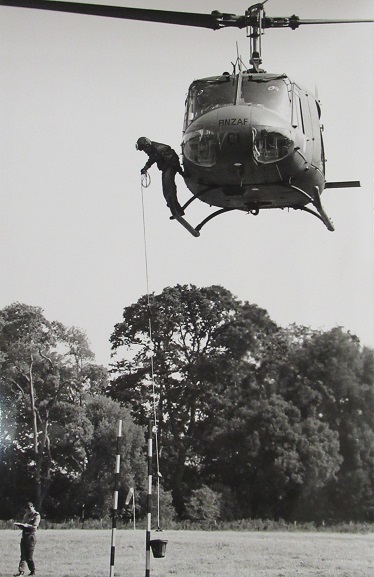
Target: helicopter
column 252, row 140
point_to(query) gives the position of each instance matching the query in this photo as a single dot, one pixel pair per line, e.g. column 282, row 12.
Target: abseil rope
column 145, row 182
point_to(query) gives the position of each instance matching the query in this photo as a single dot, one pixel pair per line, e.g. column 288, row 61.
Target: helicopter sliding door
column 318, row 150
column 305, row 119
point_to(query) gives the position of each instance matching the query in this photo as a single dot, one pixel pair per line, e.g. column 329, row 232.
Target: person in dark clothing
column 29, row 525
column 167, row 161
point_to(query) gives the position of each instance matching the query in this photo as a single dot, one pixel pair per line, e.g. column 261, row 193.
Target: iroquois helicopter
column 252, row 140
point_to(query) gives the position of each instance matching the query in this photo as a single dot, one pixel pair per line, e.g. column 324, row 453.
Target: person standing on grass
column 29, row 525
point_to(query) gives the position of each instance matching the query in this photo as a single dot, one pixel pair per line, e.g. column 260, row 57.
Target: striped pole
column 149, row 502
column 115, row 499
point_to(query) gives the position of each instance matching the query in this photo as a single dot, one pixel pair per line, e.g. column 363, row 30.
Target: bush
column 167, row 512
column 204, row 504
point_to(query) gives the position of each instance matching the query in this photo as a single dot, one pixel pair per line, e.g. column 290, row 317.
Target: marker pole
column 115, row 499
column 149, row 502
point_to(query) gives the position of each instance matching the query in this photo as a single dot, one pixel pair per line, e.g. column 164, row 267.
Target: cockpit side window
column 205, row 95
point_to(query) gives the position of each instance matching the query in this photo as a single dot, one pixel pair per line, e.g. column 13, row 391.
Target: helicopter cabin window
column 271, row 93
column 208, row 94
column 297, row 111
column 300, row 115
column 304, row 111
column 307, row 102
column 314, row 113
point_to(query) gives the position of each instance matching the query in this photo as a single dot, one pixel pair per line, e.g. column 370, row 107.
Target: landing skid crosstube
column 315, row 200
column 196, row 231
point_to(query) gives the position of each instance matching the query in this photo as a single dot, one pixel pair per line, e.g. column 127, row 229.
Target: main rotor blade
column 214, row 21
column 294, row 22
column 337, row 21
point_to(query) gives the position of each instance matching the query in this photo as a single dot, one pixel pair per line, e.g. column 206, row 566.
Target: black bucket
column 158, row 547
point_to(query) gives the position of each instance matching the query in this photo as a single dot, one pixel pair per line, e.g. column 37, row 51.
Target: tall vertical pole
column 149, row 503
column 133, row 509
column 115, row 499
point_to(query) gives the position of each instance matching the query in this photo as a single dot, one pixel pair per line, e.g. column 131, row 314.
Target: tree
column 97, row 479
column 200, row 337
column 330, row 376
column 44, row 366
column 280, row 418
column 270, row 456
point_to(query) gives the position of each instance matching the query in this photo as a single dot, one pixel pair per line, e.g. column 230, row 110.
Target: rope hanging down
column 145, row 183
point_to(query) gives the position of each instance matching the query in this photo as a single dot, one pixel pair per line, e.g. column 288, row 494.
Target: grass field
column 86, row 553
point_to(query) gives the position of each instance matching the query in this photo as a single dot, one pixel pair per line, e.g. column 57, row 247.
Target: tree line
column 253, row 420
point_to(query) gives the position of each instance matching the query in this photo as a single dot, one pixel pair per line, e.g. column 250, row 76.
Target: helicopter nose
column 268, row 134
column 238, row 135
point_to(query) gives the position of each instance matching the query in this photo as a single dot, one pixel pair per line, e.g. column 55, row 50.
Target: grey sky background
column 77, row 92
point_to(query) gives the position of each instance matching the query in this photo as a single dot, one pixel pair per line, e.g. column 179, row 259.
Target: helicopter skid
column 187, row 226
column 317, row 203
column 257, row 198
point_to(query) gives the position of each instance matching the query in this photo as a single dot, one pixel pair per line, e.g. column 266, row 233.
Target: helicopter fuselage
column 252, row 141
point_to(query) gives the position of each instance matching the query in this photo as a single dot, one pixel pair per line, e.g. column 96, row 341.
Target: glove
column 143, row 171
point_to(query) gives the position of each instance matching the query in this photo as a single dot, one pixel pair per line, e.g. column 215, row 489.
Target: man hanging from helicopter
column 167, row 161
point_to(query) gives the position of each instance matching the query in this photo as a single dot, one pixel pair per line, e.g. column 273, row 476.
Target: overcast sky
column 77, row 92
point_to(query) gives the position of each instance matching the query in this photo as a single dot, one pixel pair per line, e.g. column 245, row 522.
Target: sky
column 76, row 93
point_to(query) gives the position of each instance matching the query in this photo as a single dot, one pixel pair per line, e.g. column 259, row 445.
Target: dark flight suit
column 168, row 162
column 28, row 542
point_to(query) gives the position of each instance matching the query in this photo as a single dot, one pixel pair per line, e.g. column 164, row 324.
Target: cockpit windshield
column 204, row 95
column 270, row 92
column 246, row 89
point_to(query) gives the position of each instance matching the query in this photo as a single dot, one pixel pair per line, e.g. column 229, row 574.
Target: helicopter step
column 186, row 225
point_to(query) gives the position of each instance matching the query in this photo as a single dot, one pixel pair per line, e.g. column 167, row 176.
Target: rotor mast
column 255, row 16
